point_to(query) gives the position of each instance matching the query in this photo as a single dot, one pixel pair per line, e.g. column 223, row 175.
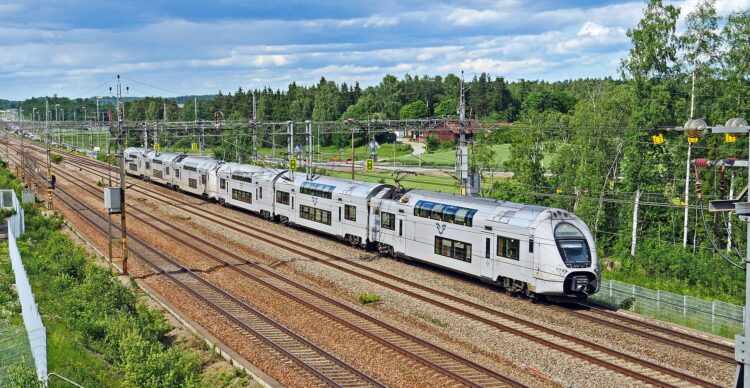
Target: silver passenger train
column 523, row 248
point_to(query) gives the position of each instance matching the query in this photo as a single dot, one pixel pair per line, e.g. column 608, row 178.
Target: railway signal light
column 657, row 139
column 194, row 147
column 730, row 138
column 369, row 165
column 292, row 164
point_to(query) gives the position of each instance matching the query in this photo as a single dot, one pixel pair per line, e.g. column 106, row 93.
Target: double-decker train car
column 161, row 168
column 137, row 161
column 523, row 248
column 246, row 187
column 196, row 174
column 336, row 207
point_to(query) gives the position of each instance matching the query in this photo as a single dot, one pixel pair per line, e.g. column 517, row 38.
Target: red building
column 448, row 130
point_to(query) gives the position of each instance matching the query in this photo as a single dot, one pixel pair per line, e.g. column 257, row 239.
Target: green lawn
column 444, row 184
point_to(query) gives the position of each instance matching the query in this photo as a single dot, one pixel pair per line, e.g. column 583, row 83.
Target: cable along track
column 623, row 363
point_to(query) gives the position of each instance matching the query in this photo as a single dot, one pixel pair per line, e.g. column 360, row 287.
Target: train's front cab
column 565, row 262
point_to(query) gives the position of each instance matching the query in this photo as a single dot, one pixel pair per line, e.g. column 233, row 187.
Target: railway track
column 451, row 365
column 696, row 344
column 257, row 327
column 693, row 343
column 623, row 363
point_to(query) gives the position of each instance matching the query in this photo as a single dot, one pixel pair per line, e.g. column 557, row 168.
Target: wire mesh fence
column 14, row 350
column 712, row 316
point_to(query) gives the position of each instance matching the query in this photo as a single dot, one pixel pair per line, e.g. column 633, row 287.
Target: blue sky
column 74, row 47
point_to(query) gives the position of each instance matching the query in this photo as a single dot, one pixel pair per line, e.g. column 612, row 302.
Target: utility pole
column 353, row 154
column 308, row 128
column 634, row 236
column 729, row 218
column 687, row 198
column 290, row 145
column 121, row 145
column 50, row 180
column 462, row 152
column 97, row 112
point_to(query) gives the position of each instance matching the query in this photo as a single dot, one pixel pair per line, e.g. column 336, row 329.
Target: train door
column 488, row 262
column 533, row 257
column 399, row 242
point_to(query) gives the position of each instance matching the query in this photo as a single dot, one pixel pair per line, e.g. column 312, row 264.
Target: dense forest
column 585, row 145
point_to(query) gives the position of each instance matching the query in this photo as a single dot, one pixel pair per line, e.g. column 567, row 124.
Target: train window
column 156, row 174
column 260, row 193
column 350, row 212
column 454, row 249
column 189, row 168
column 166, row 171
column 573, row 246
column 508, row 247
column 317, row 189
column 176, row 172
column 565, row 230
column 148, row 166
column 449, row 214
column 315, row 214
column 203, row 180
column 132, row 167
column 388, row 220
column 437, row 212
column 339, row 214
column 282, row 197
column 156, row 161
column 446, row 213
column 531, row 245
column 242, row 196
column 487, row 245
column 423, row 209
column 242, row 178
column 400, row 227
column 222, row 184
column 193, row 183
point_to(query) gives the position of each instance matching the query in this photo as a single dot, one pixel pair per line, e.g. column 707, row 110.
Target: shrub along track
column 623, row 363
column 430, row 356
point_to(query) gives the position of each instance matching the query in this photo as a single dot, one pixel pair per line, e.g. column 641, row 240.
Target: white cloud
column 592, row 35
column 495, row 66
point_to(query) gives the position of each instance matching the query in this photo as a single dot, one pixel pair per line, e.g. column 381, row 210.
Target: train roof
column 249, row 169
column 489, row 210
column 137, row 150
column 198, row 162
column 166, row 156
column 337, row 186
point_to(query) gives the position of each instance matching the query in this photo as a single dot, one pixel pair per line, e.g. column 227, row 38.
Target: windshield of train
column 572, row 245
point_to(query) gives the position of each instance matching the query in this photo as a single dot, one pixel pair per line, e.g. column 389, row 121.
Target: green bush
column 432, row 143
column 100, row 315
column 56, row 158
column 21, row 375
column 368, row 298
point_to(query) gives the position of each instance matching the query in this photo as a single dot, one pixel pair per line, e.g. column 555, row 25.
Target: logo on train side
column 440, row 227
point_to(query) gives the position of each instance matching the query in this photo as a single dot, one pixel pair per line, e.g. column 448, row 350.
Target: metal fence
column 32, row 320
column 14, row 349
column 713, row 316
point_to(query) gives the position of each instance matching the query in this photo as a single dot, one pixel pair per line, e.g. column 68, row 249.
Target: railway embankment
column 100, row 332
